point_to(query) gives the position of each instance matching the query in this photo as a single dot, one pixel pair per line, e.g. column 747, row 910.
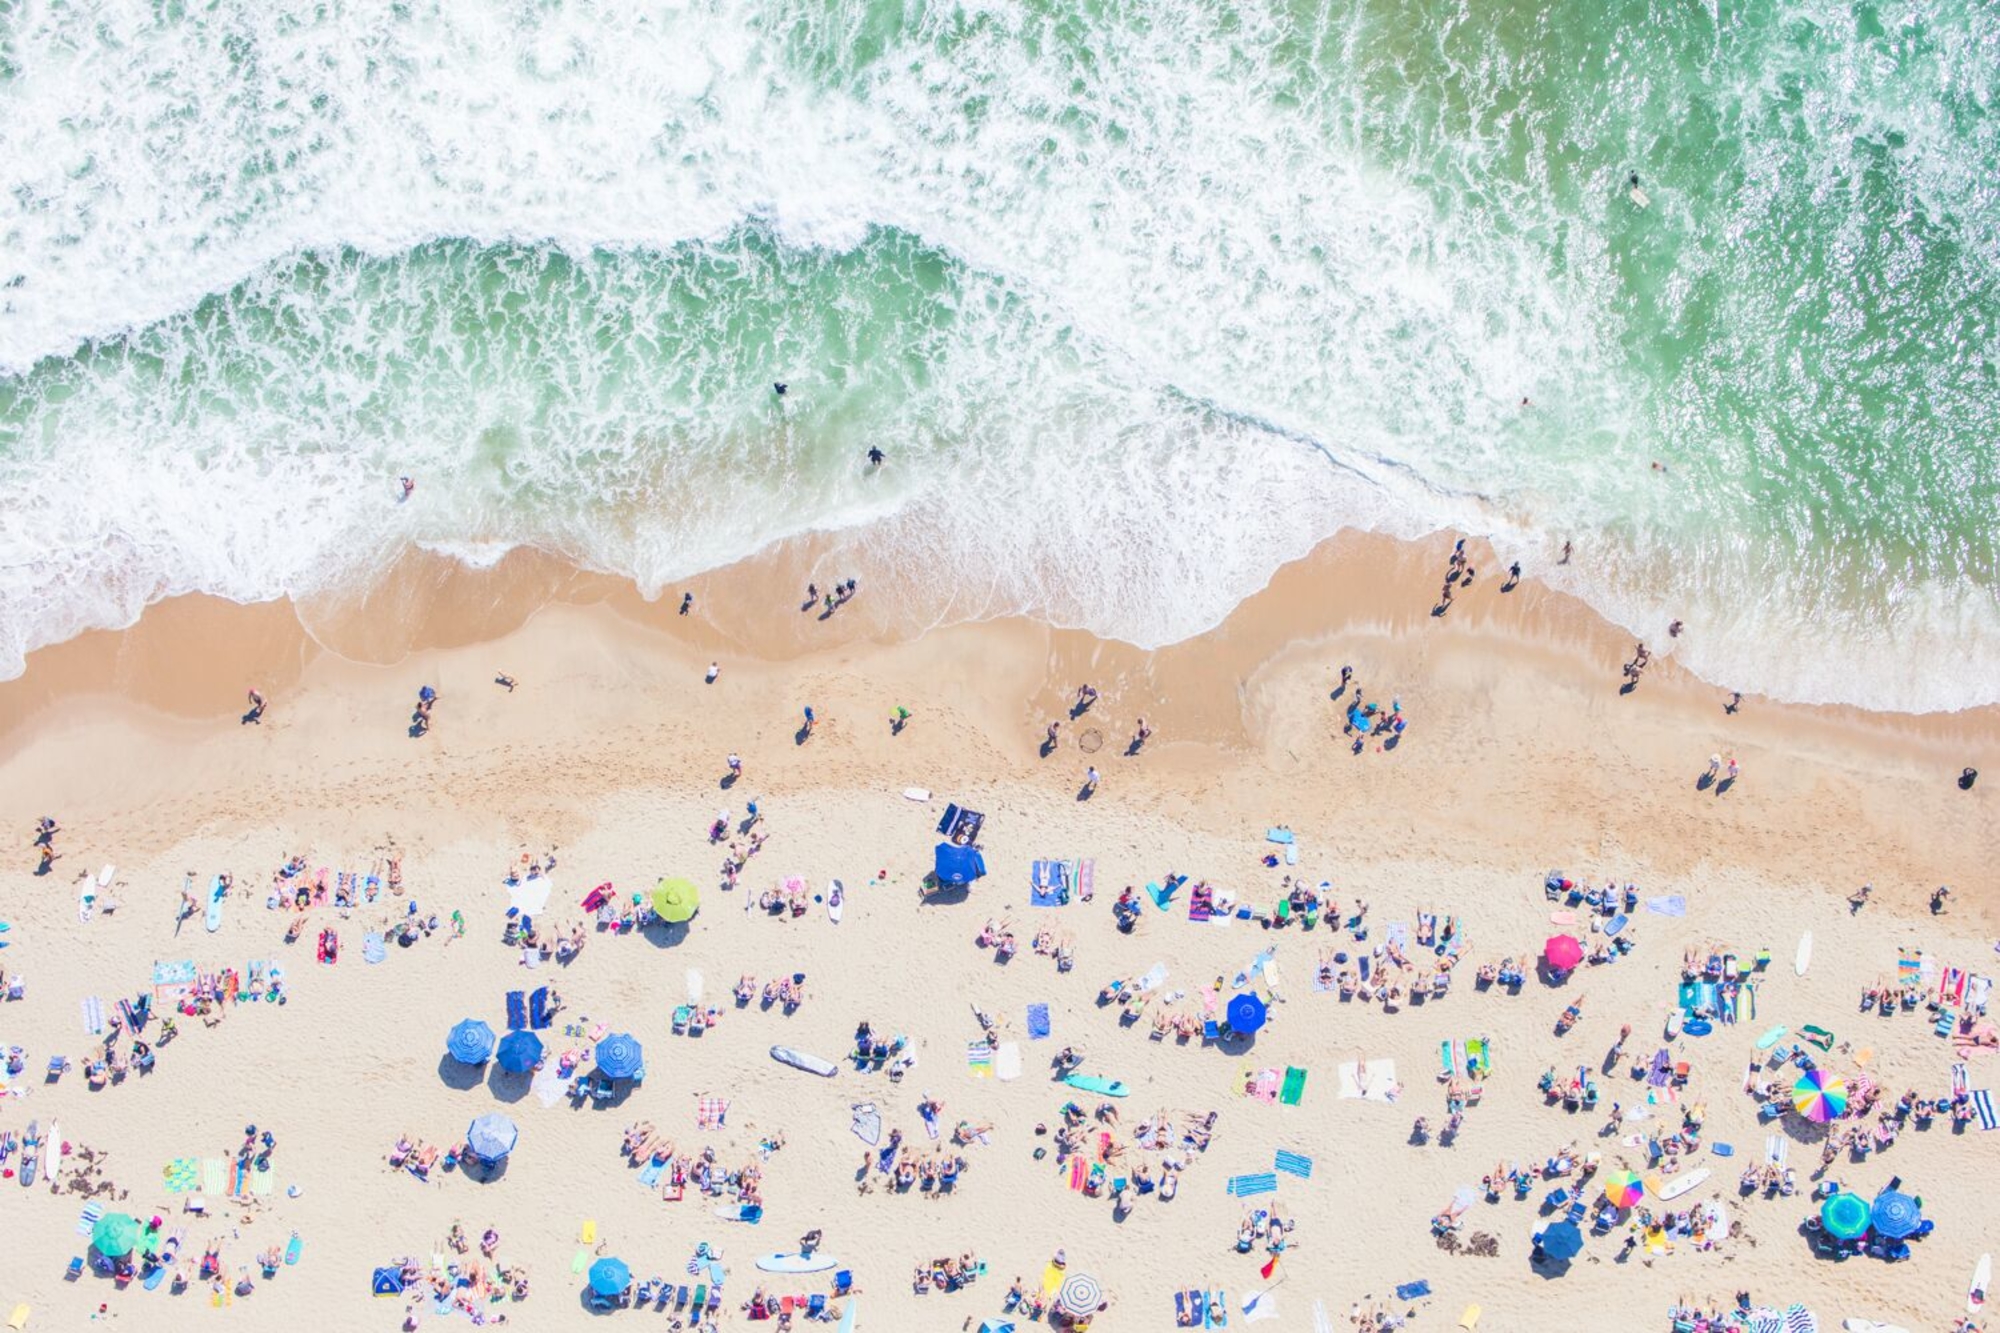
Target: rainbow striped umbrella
column 1819, row 1096
column 1622, row 1189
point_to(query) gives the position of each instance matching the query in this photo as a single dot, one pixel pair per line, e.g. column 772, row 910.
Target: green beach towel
column 1294, row 1088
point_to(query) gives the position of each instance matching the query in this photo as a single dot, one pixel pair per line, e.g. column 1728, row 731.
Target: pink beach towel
column 709, row 1111
column 1951, row 990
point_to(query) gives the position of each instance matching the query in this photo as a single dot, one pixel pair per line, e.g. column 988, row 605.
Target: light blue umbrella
column 492, row 1137
column 519, row 1052
column 619, row 1055
column 608, row 1277
column 470, row 1042
column 1895, row 1215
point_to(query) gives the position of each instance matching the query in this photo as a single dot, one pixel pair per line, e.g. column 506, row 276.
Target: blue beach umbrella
column 1562, row 1241
column 492, row 1137
column 519, row 1052
column 470, row 1042
column 1246, row 1013
column 608, row 1277
column 619, row 1055
column 1844, row 1215
column 1895, row 1214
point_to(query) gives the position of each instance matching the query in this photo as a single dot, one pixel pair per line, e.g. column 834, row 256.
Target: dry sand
column 1521, row 755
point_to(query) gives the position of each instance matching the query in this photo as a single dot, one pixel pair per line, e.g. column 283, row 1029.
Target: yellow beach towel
column 1470, row 1319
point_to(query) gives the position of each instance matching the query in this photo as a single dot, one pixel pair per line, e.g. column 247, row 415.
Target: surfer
column 409, row 484
column 875, row 455
column 779, row 388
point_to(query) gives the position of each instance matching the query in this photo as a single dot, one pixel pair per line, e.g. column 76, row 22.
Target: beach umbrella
column 1624, row 1188
column 676, row 900
column 619, row 1055
column 519, row 1052
column 1246, row 1013
column 492, row 1137
column 470, row 1042
column 1079, row 1296
column 1819, row 1096
column 115, row 1234
column 996, row 1326
column 608, row 1277
column 1562, row 1241
column 1844, row 1215
column 1563, row 952
column 1895, row 1215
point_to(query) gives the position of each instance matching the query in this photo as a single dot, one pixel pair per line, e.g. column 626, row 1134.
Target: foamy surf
column 1143, row 304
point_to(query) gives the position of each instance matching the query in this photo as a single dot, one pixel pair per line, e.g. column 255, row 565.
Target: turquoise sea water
column 1142, row 300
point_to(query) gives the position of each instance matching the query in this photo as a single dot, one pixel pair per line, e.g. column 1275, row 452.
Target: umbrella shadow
column 667, row 934
column 508, row 1087
column 459, row 1076
column 485, row 1175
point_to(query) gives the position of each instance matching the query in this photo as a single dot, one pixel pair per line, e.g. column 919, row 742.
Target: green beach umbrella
column 676, row 900
column 115, row 1234
column 1844, row 1215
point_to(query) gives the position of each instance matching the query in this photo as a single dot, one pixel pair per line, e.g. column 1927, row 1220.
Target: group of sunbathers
column 788, row 991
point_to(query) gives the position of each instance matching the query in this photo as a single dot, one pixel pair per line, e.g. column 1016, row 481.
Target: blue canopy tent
column 470, row 1042
column 519, row 1052
column 619, row 1056
column 388, row 1282
column 959, row 865
column 491, row 1137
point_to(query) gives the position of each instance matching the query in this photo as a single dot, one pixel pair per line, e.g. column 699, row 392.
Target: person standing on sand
column 899, row 717
column 1714, row 767
column 810, row 720
column 256, row 713
column 1090, row 781
column 1140, row 735
column 687, row 602
column 1734, row 771
column 714, row 670
column 1859, row 899
column 1049, row 742
column 735, row 762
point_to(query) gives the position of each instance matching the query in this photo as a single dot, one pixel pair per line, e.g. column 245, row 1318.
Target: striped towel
column 1766, row 1320
column 1296, row 1164
column 1798, row 1319
column 214, row 1179
column 93, row 1015
column 263, row 1181
column 91, row 1212
column 1245, row 1186
column 1908, row 971
column 1982, row 1104
column 979, row 1058
column 1086, row 879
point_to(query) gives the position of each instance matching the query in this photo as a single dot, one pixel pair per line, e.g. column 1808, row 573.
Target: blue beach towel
column 1038, row 1021
column 1049, row 885
column 517, row 1011
column 373, row 949
column 650, row 1173
column 1409, row 1291
column 1257, row 1183
column 1295, row 1164
column 538, row 1009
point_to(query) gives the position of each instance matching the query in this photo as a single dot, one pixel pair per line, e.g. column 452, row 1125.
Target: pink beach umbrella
column 1563, row 953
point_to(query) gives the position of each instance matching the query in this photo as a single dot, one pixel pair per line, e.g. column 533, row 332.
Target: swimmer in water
column 875, row 456
column 409, row 484
column 779, row 388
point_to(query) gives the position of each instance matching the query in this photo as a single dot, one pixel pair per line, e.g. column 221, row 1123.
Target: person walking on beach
column 1566, row 550
column 1140, row 735
column 899, row 717
column 1734, row 771
column 1859, row 899
column 45, row 831
column 1937, row 898
column 1346, row 674
column 1513, row 577
column 811, row 718
column 1049, row 741
column 50, row 856
column 735, row 767
column 687, row 602
column 1714, row 767
column 256, row 713
column 714, row 670
column 1090, row 781
column 1085, row 697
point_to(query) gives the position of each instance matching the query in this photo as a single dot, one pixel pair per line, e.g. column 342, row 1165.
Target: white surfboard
column 812, row 1064
column 1871, row 1326
column 836, row 901
column 1679, row 1185
column 1982, row 1278
column 1639, row 197
column 916, row 794
column 104, row 876
column 1803, row 959
column 797, row 1263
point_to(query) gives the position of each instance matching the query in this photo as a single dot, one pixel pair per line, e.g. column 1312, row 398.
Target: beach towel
column 549, row 1085
column 263, row 1181
column 91, row 1212
column 1409, row 1291
column 1263, row 1085
column 1007, row 1061
column 1295, row 1086
column 182, row 1175
column 1672, row 905
column 1908, row 970
column 214, row 1177
column 1397, row 933
column 1951, row 989
column 517, row 1011
column 650, row 1173
column 1160, row 895
column 1038, row 1021
column 1798, row 1319
column 1260, row 1305
column 709, row 1112
column 373, row 948
column 1154, row 978
column 1199, row 909
column 93, row 1015
column 1295, row 1164
column 1243, row 1187
column 1086, row 879
column 1982, row 1106
column 1662, row 1070
column 1776, row 1149
column 1079, row 1172
column 1374, row 1082
column 1046, row 884
column 539, row 1017
column 867, row 1125
column 979, row 1059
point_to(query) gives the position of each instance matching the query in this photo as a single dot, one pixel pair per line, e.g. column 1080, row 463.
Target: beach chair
column 74, row 1272
column 1557, row 1198
column 1577, row 1211
column 517, row 1011
column 816, row 1306
column 700, row 1299
column 58, row 1066
column 842, row 1280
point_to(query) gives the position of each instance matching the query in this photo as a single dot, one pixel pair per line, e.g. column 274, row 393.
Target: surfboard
column 213, row 919
column 1697, row 1027
column 1673, row 1024
column 812, row 1064
column 797, row 1263
column 293, row 1248
column 86, row 901
column 753, row 1213
column 1673, row 1189
column 916, row 794
column 1803, row 959
column 836, row 901
column 1109, row 1087
column 1982, row 1277
column 104, row 876
column 1562, row 918
column 1639, row 197
column 30, row 1159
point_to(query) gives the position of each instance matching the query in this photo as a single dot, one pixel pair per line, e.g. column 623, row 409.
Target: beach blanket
column 182, row 1175
column 1155, row 977
column 373, row 948
column 214, row 1175
column 867, row 1124
column 93, row 1015
column 1295, row 1164
column 1982, row 1106
column 1260, row 1305
column 1086, row 879
column 1978, row 993
column 517, row 1010
column 650, row 1173
column 1908, row 970
column 709, row 1112
column 1199, row 910
column 1048, row 884
column 1374, row 1082
column 979, row 1058
column 1243, row 1187
column 1776, row 1149
column 1038, row 1021
column 1798, row 1319
column 263, row 1181
column 1672, row 905
column 549, row 1085
column 1409, row 1291
column 1397, row 933
column 1662, row 1070
column 1263, row 1085
column 530, row 896
column 1295, row 1086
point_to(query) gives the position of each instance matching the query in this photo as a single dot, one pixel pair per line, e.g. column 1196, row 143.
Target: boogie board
column 915, row 794
column 292, row 1249
column 753, row 1213
column 1803, row 959
column 797, row 1263
column 836, row 900
column 1673, row 1024
column 1679, row 1185
column 214, row 918
column 1697, row 1027
column 1109, row 1087
column 155, row 1278
column 1616, row 924
column 812, row 1064
column 1771, row 1038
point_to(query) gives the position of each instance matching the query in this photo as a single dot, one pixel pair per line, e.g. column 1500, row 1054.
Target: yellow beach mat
column 588, row 1236
column 1052, row 1277
column 1470, row 1319
column 19, row 1319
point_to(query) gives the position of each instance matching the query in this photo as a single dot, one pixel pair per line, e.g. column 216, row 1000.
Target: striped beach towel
column 1908, row 971
column 1798, row 1319
column 1243, row 1187
column 979, row 1058
column 1295, row 1164
column 1086, row 879
column 93, row 1015
column 91, row 1212
column 1982, row 1106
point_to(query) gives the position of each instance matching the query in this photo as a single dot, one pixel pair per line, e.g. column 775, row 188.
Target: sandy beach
column 1521, row 757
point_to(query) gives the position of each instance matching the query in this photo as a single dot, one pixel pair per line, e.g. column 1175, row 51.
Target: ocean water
column 1142, row 300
